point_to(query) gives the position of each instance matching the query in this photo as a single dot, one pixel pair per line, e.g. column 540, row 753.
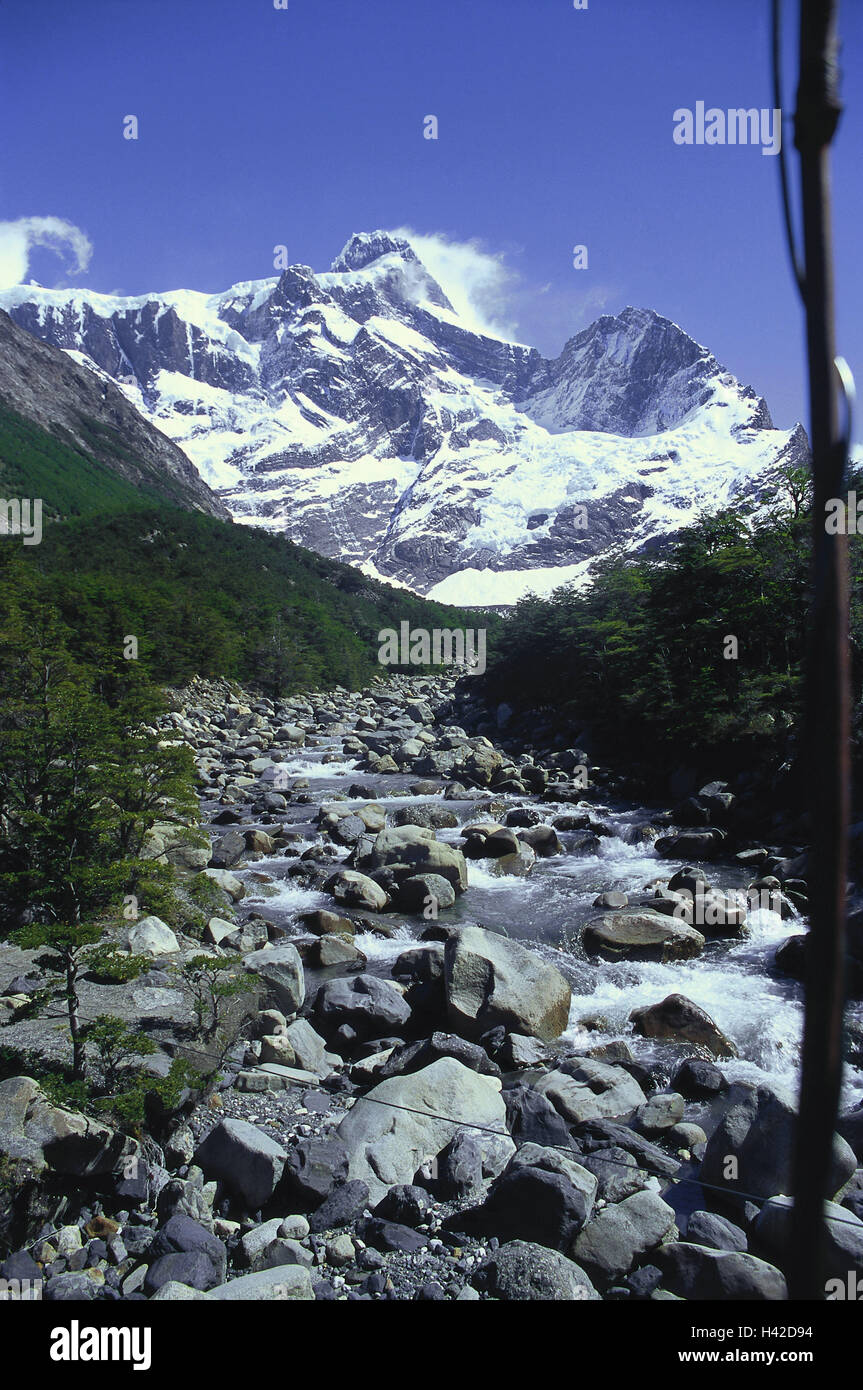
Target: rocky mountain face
column 87, row 411
column 355, row 412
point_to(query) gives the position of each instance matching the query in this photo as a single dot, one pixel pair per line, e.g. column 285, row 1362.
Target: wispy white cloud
column 493, row 296
column 477, row 282
column 17, row 240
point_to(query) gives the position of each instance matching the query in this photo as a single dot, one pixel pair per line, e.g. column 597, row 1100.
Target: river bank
column 437, row 919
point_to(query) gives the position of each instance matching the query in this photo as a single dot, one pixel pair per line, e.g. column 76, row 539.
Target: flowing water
column 733, row 979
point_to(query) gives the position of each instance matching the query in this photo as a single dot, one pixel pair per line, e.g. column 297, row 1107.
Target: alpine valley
column 357, row 413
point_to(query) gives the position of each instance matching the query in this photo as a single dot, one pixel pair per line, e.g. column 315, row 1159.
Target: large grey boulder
column 353, row 889
column 619, row 1235
column 246, row 1159
column 43, row 1135
column 416, row 846
column 543, row 1196
column 374, row 1008
column 150, row 936
column 522, row 1271
column 843, row 1243
column 757, row 1131
column 288, row 1281
column 491, row 981
column 387, row 1142
column 308, row 1047
column 641, row 936
column 700, row 1273
column 591, row 1090
column 281, row 970
column 228, row 882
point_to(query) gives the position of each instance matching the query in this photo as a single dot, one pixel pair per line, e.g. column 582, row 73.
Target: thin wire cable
column 573, row 1154
column 790, row 237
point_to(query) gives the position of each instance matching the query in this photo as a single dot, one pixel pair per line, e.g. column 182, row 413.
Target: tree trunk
column 78, row 1058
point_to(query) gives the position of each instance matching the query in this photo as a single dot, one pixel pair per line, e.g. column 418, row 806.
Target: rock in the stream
column 642, row 936
column 697, row 1079
column 333, row 949
column 387, row 1142
column 417, row 847
column 659, row 1114
column 422, row 891
column 699, row 845
column 679, row 1020
column 323, row 923
column 354, row 889
column 490, row 981
column 516, row 865
column 430, row 815
column 543, row 840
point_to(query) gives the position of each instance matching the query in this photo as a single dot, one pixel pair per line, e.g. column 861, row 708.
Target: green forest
column 642, row 659
column 206, row 597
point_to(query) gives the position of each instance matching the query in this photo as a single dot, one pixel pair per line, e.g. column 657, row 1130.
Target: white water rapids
column 734, row 980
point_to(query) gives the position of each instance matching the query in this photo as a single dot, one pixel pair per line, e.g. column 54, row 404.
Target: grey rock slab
column 387, row 1141
column 619, row 1235
column 491, row 981
column 267, row 1285
column 248, row 1161
column 593, row 1090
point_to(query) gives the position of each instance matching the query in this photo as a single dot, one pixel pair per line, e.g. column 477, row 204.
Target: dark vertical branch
column 828, row 684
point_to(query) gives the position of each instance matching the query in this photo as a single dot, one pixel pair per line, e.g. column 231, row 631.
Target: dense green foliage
column 639, row 657
column 205, row 597
column 82, row 781
column 34, row 463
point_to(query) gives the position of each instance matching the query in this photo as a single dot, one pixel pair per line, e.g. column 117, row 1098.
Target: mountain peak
column 366, row 247
column 355, row 412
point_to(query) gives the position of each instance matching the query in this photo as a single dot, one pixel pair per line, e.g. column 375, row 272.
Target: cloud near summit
column 17, row 240
column 478, row 283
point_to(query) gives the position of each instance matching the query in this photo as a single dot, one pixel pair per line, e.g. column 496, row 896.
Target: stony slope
column 90, row 426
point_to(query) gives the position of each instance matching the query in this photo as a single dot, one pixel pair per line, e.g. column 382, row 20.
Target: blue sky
column 260, row 127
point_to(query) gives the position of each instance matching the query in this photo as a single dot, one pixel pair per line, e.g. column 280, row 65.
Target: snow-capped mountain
column 357, row 413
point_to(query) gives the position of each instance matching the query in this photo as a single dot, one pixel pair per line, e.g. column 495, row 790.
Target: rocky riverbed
column 504, row 1033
